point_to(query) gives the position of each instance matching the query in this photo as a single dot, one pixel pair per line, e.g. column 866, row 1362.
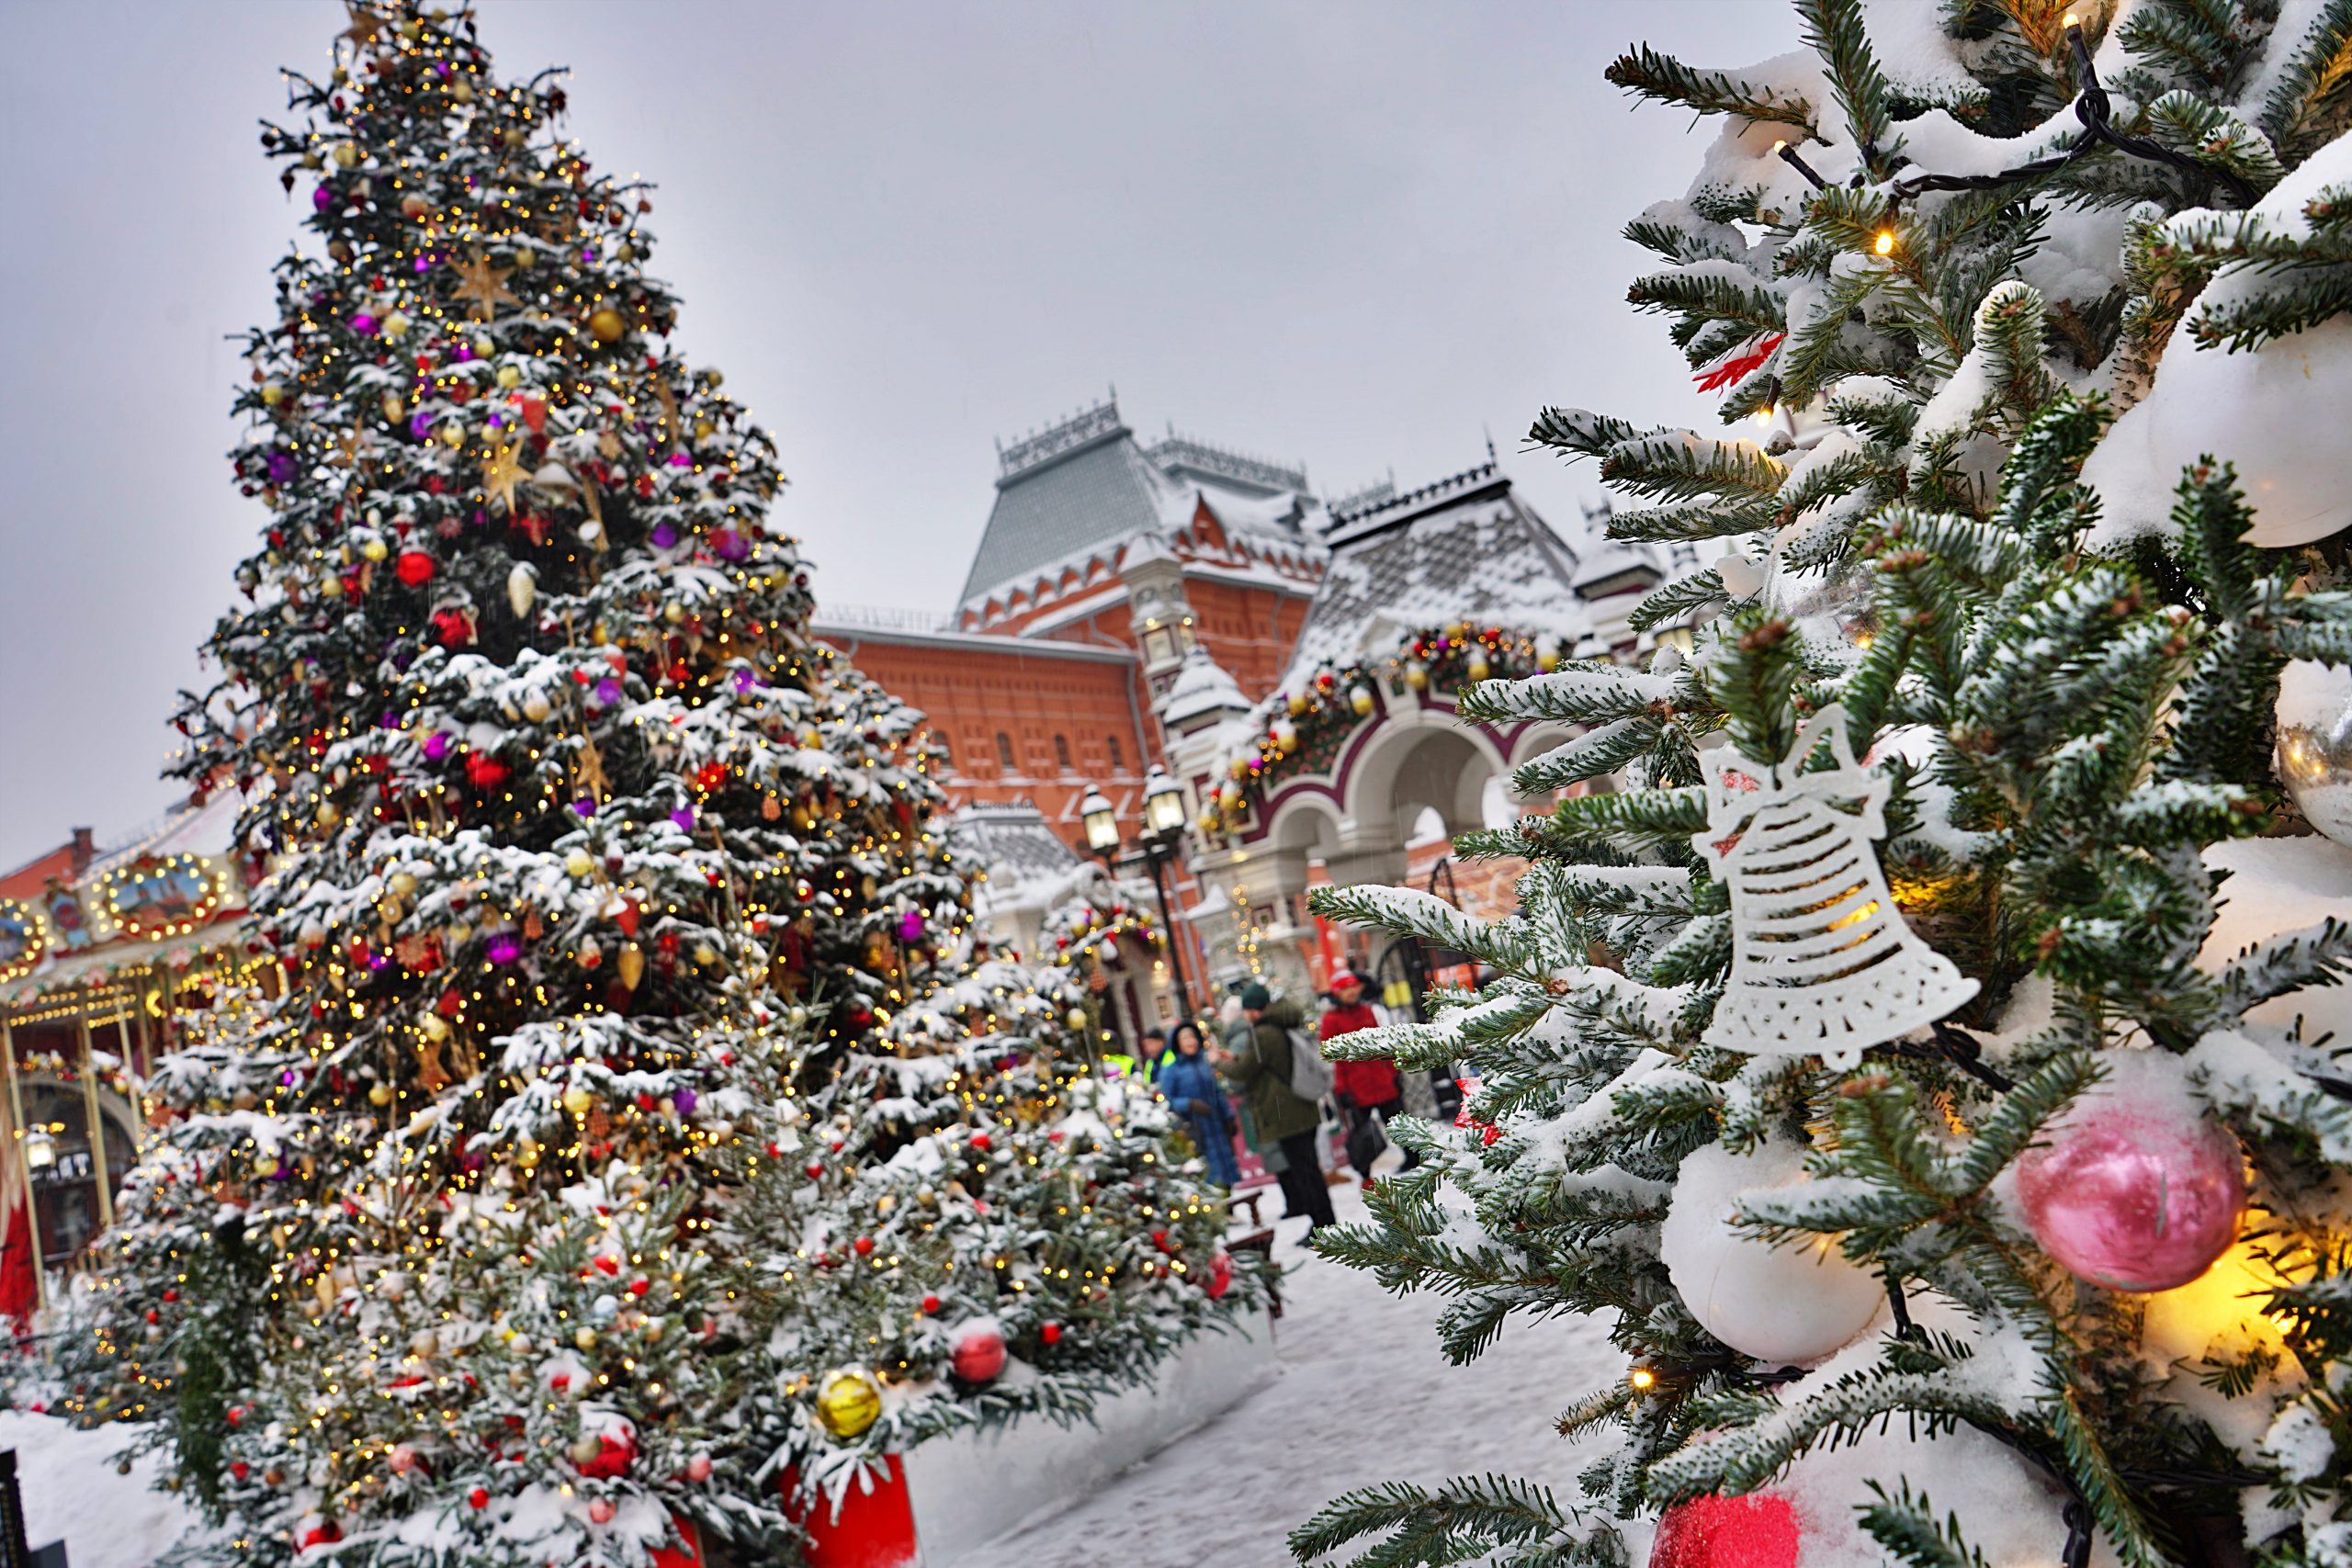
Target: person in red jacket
column 1367, row 1090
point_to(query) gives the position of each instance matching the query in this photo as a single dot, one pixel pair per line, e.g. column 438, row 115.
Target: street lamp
column 1102, row 821
column 40, row 1149
column 1162, row 840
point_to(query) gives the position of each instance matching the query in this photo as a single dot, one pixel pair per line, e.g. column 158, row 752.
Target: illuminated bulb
column 1884, row 244
column 1643, row 1380
column 1762, row 416
column 2069, row 20
column 1779, row 146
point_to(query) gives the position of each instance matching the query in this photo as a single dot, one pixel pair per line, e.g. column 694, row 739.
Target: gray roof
column 1463, row 549
column 1014, row 842
column 1091, row 494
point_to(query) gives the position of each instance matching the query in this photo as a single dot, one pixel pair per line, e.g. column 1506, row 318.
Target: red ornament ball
column 1051, row 1334
column 486, row 772
column 1220, row 1278
column 979, row 1354
column 478, row 1498
column 2134, row 1191
column 863, row 1246
column 982, row 1142
column 414, row 568
column 1755, row 1531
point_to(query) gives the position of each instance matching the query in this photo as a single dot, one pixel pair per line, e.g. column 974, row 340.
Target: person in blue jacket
column 1189, row 1086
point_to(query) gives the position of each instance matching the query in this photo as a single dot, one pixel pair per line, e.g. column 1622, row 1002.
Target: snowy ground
column 1363, row 1396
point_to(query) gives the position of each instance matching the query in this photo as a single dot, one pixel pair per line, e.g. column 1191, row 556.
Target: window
column 1184, row 633
column 1004, row 751
column 1157, row 645
column 1061, row 752
column 1118, row 763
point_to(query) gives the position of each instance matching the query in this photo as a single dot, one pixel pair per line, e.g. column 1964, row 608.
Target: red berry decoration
column 415, row 567
column 979, row 1355
column 981, row 1141
column 479, row 1497
column 815, row 1170
column 1755, row 1531
column 1051, row 1334
column 863, row 1246
column 930, row 1304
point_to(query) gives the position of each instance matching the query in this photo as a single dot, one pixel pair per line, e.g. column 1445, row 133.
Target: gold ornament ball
column 376, row 550
column 577, row 1100
column 272, row 394
column 606, row 324
column 579, row 864
column 585, row 1338
column 401, row 883
column 509, row 377
column 436, row 1027
column 380, row 1095
column 347, row 154
column 848, row 1401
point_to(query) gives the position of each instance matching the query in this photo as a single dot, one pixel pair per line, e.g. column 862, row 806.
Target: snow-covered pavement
column 1364, row 1395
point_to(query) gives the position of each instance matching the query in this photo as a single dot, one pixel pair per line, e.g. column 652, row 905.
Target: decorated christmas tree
column 624, row 968
column 1926, row 1057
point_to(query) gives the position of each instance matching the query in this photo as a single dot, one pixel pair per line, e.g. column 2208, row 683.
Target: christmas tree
column 590, row 886
column 1926, row 1060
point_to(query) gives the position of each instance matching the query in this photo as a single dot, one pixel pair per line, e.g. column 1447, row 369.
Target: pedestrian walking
column 1188, row 1083
column 1263, row 1063
column 1368, row 1090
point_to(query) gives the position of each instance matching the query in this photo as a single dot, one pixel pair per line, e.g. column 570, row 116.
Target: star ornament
column 483, row 285
column 500, row 474
column 365, row 26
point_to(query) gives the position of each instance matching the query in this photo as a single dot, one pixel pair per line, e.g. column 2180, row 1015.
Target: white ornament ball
column 1784, row 1304
column 536, row 706
column 2273, row 412
column 2315, row 755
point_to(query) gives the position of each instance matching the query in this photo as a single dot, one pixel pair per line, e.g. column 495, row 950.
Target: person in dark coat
column 1189, row 1086
column 1259, row 1066
column 1368, row 1090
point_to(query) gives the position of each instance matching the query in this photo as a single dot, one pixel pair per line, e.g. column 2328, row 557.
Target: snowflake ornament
column 1822, row 962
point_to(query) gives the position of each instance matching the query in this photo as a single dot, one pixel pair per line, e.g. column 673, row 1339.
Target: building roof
column 1201, row 686
column 1023, row 857
column 1084, row 486
column 1463, row 549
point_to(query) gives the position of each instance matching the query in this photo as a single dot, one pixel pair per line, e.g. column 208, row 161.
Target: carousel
column 103, row 970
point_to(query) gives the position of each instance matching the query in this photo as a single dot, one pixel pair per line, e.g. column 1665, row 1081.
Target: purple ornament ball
column 2134, row 1196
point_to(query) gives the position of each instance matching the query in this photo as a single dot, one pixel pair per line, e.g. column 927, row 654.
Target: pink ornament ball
column 979, row 1355
column 2132, row 1196
column 601, row 1511
column 1755, row 1531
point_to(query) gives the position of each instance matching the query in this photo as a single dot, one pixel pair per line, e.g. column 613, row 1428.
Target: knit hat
column 1253, row 997
column 1344, row 979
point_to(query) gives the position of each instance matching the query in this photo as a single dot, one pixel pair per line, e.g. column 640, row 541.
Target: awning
column 101, row 965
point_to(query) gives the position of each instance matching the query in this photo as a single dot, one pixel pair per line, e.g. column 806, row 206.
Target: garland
column 1310, row 725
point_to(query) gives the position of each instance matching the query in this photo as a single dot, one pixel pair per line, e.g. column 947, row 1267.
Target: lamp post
column 1163, row 840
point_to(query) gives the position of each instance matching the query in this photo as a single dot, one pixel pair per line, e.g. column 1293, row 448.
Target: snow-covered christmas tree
column 1929, row 1059
column 625, row 979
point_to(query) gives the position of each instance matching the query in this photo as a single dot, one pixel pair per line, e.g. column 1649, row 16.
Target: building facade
column 1170, row 604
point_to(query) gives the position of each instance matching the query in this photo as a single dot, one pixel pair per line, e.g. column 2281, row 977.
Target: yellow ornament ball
column 579, row 864
column 272, row 394
column 577, row 1100
column 347, row 154
column 380, row 1095
column 848, row 1401
column 509, row 376
column 401, row 883
column 606, row 324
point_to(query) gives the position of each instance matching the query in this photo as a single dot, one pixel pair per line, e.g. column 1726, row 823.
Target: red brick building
column 1104, row 561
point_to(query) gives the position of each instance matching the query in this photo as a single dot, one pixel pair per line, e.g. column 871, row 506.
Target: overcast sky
column 1360, row 235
